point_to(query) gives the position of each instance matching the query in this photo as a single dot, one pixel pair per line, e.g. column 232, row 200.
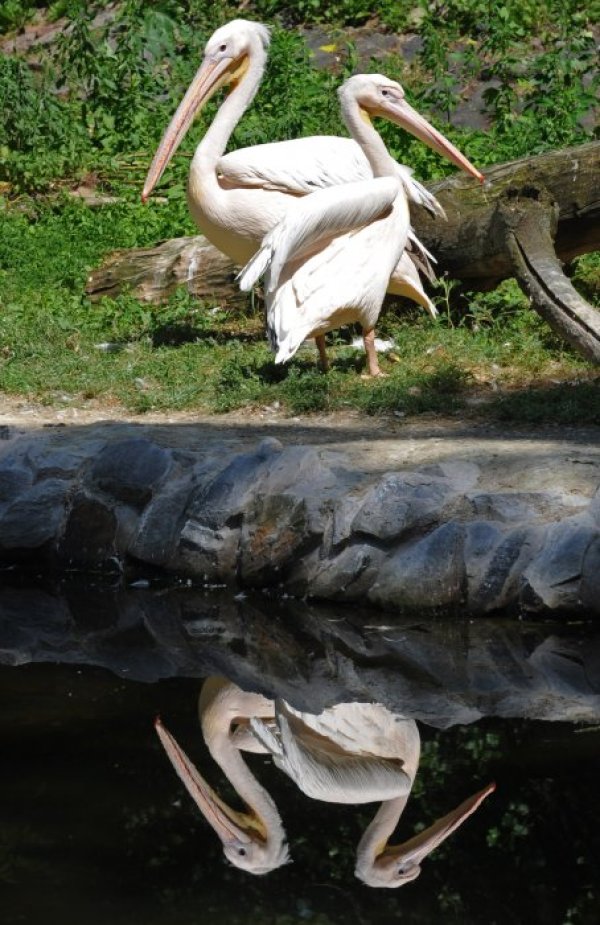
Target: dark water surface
column 95, row 827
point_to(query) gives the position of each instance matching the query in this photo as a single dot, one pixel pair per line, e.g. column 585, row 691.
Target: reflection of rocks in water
column 349, row 753
column 441, row 672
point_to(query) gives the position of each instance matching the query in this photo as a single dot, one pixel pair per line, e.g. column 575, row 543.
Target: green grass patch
column 57, row 347
column 94, row 109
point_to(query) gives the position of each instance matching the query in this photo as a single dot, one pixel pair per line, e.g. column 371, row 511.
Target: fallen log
column 153, row 273
column 529, row 216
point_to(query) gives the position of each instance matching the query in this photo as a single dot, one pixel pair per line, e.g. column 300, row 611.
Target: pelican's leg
column 372, row 360
column 323, row 358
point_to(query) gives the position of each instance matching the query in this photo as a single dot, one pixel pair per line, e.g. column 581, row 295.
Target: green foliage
column 98, row 103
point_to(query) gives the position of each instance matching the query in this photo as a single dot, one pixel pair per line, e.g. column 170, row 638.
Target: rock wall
column 305, row 520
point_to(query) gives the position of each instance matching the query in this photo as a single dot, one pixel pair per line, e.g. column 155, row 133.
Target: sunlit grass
column 486, row 353
column 58, row 347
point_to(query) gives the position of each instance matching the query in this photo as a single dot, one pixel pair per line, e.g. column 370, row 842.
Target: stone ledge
column 442, row 530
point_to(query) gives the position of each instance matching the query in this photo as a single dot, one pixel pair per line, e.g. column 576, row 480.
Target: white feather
column 316, row 219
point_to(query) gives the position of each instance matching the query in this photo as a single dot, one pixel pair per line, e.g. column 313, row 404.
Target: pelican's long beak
column 229, row 825
column 407, row 857
column 402, row 113
column 210, row 77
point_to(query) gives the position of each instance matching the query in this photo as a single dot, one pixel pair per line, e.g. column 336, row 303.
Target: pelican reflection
column 253, row 840
column 349, row 753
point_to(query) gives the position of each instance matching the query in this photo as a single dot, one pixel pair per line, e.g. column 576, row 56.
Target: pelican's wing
column 361, row 728
column 317, row 219
column 325, row 771
column 298, row 166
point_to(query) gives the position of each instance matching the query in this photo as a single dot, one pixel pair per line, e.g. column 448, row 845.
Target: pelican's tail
column 418, row 194
column 420, row 256
column 257, row 266
column 287, row 325
column 266, row 736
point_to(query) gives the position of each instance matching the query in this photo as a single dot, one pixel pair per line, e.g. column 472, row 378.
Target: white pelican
column 362, row 753
column 329, row 260
column 237, row 198
column 254, row 840
column 349, row 753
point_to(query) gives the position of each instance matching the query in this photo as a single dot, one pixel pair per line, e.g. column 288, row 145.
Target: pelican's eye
column 385, row 92
column 223, row 47
column 242, row 852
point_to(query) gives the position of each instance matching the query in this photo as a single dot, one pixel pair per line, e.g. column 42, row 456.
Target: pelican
column 236, row 199
column 349, row 753
column 362, row 753
column 329, row 260
column 254, row 840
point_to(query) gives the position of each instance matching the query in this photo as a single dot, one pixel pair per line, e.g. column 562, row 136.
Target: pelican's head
column 377, row 95
column 395, row 866
column 246, row 842
column 227, row 56
column 228, row 51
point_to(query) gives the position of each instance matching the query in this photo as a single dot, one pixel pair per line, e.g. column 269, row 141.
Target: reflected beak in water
column 233, row 828
column 406, row 858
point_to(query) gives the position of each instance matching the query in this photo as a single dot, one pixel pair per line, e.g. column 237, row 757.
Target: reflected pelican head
column 394, row 866
column 250, row 842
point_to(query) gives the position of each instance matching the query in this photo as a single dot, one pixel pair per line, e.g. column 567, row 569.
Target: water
column 95, row 827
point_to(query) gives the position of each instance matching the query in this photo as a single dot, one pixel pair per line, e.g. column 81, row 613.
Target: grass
column 111, row 109
column 182, row 355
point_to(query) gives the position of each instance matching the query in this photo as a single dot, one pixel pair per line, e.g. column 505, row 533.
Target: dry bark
column 153, row 273
column 527, row 217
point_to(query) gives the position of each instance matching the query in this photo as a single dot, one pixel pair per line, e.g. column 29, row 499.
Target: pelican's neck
column 221, row 703
column 380, row 830
column 233, row 108
column 362, row 130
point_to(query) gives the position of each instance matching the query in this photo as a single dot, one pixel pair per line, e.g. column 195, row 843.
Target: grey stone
column 349, row 575
column 36, row 517
column 495, row 558
column 553, row 578
column 427, row 573
column 207, row 554
column 232, row 490
column 343, row 515
column 308, row 519
column 14, row 480
column 401, row 503
column 161, row 524
column 272, row 538
column 590, row 577
column 56, row 462
column 524, row 507
column 90, row 533
column 594, row 508
column 131, row 470
column 301, row 474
